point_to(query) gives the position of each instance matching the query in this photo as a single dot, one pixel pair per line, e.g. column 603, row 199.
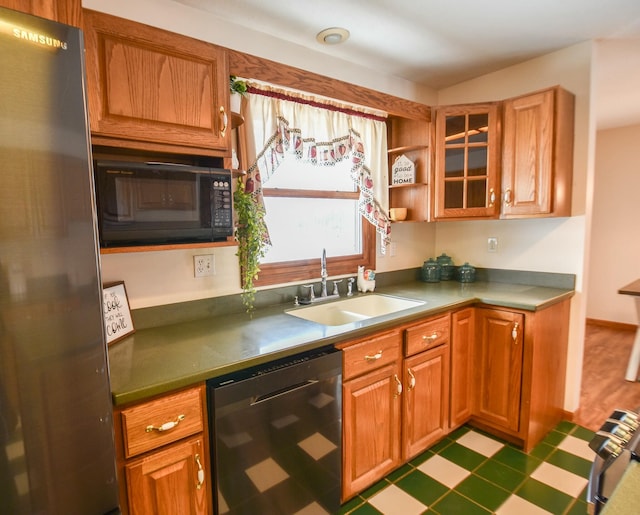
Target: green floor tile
column 544, row 496
column 424, row 488
column 463, row 456
column 517, row 460
column 398, row 473
column 554, row 438
column 579, row 507
column 570, row 462
column 442, row 444
column 453, row 502
column 583, row 433
column 542, row 450
column 351, row 505
column 482, row 492
column 565, row 427
column 365, row 509
column 372, row 490
column 461, row 431
column 501, row 475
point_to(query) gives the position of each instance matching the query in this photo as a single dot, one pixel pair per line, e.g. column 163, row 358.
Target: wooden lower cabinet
column 425, row 404
column 371, row 428
column 498, row 359
column 162, row 455
column 462, row 366
column 170, row 481
column 520, row 362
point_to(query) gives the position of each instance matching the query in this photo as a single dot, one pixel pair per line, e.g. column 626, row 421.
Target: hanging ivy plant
column 251, row 234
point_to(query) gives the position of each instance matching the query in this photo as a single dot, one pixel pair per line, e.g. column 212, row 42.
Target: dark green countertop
column 157, row 360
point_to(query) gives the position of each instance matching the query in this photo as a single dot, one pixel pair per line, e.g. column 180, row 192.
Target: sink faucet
column 323, row 273
column 311, row 298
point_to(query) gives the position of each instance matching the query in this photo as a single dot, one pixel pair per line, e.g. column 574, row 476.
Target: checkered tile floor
column 471, row 473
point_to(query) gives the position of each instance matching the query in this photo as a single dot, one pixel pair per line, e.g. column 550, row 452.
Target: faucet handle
column 312, row 295
column 350, row 286
column 335, row 287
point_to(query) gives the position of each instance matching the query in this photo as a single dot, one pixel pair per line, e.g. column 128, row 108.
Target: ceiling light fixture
column 333, row 36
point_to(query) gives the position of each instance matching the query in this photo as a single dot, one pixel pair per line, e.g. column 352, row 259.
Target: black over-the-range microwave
column 155, row 203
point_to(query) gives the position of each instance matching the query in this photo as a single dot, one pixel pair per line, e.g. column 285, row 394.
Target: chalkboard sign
column 117, row 316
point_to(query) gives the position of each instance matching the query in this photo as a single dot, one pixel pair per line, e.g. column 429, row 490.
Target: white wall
column 551, row 245
column 615, row 237
column 615, row 241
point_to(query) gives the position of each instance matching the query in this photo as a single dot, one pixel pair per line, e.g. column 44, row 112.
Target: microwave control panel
column 221, row 201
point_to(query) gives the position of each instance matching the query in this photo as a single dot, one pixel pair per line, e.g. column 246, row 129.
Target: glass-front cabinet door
column 466, row 162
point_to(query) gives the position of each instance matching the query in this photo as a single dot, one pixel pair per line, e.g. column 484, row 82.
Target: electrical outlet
column 492, row 244
column 203, row 265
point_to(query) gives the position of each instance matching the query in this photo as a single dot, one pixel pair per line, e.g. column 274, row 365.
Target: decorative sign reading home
column 115, row 308
column 403, row 171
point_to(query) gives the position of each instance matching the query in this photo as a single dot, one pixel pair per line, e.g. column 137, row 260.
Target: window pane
column 301, row 227
column 454, row 162
column 477, row 193
column 295, row 174
column 477, row 161
column 455, row 129
column 453, row 194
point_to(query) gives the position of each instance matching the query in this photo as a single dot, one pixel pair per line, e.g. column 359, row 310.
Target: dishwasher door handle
column 283, row 391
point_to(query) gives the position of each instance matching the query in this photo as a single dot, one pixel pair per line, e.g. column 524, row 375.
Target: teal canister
column 447, row 268
column 466, row 273
column 431, row 271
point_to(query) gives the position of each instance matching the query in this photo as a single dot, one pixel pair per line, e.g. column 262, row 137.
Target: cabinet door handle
column 375, row 357
column 492, row 197
column 398, row 386
column 431, row 338
column 514, row 333
column 224, row 121
column 166, row 426
column 412, row 379
column 200, row 472
column 507, row 197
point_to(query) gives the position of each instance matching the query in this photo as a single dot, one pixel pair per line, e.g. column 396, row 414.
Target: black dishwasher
column 276, row 436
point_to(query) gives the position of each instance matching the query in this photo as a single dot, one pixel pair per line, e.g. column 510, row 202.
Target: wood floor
column 604, row 388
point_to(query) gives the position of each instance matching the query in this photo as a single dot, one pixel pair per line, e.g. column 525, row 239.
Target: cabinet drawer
column 370, row 354
column 427, row 335
column 155, row 423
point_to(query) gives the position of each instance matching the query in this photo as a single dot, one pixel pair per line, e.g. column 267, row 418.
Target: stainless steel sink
column 354, row 309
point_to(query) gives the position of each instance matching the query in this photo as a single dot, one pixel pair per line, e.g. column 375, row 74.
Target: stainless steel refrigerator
column 56, row 431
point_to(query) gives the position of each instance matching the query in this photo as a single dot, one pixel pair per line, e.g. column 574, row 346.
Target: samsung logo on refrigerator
column 39, row 39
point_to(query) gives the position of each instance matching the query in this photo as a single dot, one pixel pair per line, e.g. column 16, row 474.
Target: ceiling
column 435, row 43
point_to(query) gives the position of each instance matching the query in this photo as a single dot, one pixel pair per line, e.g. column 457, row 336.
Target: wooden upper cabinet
column 150, row 89
column 537, row 166
column 63, row 11
column 466, row 169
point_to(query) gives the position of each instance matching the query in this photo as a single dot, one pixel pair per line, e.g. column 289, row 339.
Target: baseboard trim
column 612, row 325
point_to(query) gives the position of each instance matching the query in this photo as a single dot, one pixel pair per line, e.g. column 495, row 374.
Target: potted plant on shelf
column 238, row 89
column 251, row 235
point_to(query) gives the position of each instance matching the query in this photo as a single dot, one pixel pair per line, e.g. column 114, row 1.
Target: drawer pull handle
column 432, row 338
column 398, row 386
column 375, row 357
column 514, row 332
column 200, row 472
column 166, row 426
column 412, row 379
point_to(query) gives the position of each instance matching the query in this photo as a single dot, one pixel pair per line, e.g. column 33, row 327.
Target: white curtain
column 322, row 132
